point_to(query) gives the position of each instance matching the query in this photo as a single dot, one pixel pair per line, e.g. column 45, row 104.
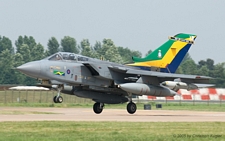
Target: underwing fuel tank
column 144, row 89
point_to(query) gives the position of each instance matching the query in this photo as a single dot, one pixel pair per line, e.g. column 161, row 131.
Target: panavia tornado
column 111, row 83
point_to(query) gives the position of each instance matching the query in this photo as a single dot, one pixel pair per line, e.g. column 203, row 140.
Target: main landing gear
column 58, row 98
column 98, row 107
column 131, row 107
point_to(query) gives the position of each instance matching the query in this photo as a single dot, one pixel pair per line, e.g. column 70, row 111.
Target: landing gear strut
column 58, row 98
column 98, row 107
column 131, row 107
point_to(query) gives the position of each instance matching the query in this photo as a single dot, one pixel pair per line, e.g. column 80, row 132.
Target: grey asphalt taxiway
column 86, row 114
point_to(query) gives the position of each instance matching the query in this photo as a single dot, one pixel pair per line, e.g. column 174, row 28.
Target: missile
column 178, row 85
column 144, row 89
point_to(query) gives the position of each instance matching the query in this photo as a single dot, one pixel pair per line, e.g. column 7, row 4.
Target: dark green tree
column 19, row 43
column 25, row 52
column 69, row 44
column 150, row 51
column 201, row 63
column 210, row 64
column 203, row 71
column 37, row 52
column 186, row 58
column 218, row 73
column 29, row 41
column 97, row 50
column 110, row 52
column 127, row 54
column 5, row 43
column 19, row 77
column 6, row 65
column 182, row 64
column 53, row 46
column 86, row 48
column 189, row 67
column 97, row 47
column 107, row 43
column 179, row 70
column 18, row 60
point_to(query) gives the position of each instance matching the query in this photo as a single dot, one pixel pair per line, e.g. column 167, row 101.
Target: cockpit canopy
column 66, row 56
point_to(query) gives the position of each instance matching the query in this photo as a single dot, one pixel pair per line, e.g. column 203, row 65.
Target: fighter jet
column 106, row 82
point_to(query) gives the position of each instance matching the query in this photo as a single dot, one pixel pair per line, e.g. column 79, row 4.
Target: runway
column 86, row 114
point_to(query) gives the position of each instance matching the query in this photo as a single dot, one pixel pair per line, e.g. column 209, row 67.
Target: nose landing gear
column 58, row 98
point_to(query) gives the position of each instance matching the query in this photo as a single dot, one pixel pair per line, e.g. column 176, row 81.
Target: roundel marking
column 68, row 71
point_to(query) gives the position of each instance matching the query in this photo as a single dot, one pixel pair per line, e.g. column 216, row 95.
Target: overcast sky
column 139, row 25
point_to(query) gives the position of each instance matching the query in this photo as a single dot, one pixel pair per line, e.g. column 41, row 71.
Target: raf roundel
column 68, row 71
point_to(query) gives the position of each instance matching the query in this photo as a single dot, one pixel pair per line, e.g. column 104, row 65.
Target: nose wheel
column 98, row 107
column 58, row 98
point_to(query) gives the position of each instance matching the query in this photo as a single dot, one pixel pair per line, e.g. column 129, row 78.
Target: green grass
column 57, row 105
column 118, row 131
column 2, row 112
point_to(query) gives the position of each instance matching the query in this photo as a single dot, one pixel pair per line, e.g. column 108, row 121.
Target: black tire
column 59, row 99
column 97, row 108
column 55, row 99
column 131, row 108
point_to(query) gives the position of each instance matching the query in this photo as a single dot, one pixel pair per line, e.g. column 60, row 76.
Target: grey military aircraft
column 105, row 82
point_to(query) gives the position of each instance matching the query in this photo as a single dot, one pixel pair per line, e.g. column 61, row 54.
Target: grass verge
column 3, row 112
column 118, row 131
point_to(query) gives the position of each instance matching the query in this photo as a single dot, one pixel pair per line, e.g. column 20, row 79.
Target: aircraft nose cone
column 32, row 69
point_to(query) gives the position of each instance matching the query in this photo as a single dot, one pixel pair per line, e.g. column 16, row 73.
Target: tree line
column 26, row 49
